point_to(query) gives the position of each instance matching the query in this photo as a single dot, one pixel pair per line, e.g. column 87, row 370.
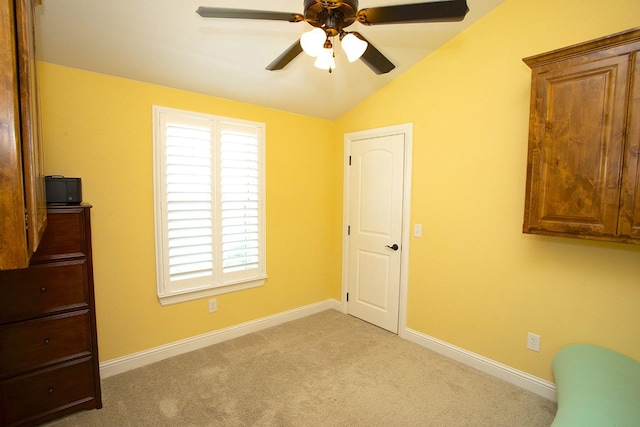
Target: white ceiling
column 165, row 42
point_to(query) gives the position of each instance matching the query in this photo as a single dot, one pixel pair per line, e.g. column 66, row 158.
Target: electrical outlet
column 533, row 342
column 213, row 305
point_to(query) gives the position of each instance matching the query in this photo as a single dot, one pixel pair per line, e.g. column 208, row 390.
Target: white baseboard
column 146, row 357
column 521, row 379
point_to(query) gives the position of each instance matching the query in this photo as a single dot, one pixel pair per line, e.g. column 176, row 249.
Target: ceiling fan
column 330, row 18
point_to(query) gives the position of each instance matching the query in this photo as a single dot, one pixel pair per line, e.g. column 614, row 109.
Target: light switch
column 417, row 230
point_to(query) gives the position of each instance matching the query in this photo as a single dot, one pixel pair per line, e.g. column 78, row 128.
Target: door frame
column 407, row 130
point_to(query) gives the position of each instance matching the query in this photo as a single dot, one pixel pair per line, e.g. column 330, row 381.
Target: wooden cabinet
column 22, row 191
column 48, row 343
column 583, row 173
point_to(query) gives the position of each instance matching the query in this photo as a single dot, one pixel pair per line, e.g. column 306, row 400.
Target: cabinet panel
column 31, row 135
column 40, row 395
column 629, row 222
column 577, row 154
column 34, row 344
column 43, row 289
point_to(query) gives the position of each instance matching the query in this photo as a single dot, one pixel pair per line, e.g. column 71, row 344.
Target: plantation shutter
column 240, row 197
column 189, row 202
column 209, row 189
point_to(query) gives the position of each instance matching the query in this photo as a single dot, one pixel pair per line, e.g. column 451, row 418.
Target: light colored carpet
column 329, row 369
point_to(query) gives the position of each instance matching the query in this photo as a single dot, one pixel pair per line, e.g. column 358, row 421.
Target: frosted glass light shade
column 313, row 41
column 353, row 46
column 325, row 60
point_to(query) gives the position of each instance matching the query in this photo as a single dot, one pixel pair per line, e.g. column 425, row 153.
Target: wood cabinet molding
column 602, row 46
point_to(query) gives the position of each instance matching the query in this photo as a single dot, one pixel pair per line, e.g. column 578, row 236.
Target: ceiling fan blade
column 374, row 58
column 439, row 11
column 285, row 57
column 220, row 12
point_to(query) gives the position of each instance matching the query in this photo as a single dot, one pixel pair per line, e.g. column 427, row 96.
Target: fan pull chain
column 333, row 53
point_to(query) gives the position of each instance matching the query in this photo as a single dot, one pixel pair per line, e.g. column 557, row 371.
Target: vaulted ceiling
column 165, row 42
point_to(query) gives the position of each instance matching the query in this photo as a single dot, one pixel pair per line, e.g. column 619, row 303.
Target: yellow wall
column 475, row 280
column 100, row 128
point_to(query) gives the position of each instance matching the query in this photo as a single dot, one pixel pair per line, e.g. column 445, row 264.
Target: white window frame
column 176, row 291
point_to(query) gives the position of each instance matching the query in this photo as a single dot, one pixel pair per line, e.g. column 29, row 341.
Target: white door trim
column 407, row 130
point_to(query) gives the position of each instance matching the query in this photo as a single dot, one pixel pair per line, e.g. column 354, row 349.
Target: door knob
column 394, row 247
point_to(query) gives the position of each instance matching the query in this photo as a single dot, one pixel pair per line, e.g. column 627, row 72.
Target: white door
column 376, row 190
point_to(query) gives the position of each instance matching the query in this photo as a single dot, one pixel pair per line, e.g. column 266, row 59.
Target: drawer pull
column 43, row 289
column 46, row 341
column 50, row 391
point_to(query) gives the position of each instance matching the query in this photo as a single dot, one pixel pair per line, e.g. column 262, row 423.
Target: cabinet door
column 32, row 152
column 22, row 193
column 576, row 146
column 629, row 222
column 13, row 245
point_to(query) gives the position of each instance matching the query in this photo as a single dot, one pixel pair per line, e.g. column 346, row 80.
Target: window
column 209, row 204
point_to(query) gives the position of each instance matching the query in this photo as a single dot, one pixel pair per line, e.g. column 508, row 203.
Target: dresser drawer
column 34, row 344
column 43, row 289
column 39, row 395
column 65, row 236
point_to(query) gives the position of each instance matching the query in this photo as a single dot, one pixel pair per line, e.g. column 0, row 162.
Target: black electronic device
column 63, row 191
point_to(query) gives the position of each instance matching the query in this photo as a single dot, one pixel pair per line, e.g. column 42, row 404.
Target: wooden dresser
column 48, row 341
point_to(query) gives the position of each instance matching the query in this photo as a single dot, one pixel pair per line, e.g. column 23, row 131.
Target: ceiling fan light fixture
column 312, row 41
column 353, row 46
column 329, row 18
column 325, row 60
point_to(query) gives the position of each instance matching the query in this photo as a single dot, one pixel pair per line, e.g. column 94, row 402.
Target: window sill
column 190, row 295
